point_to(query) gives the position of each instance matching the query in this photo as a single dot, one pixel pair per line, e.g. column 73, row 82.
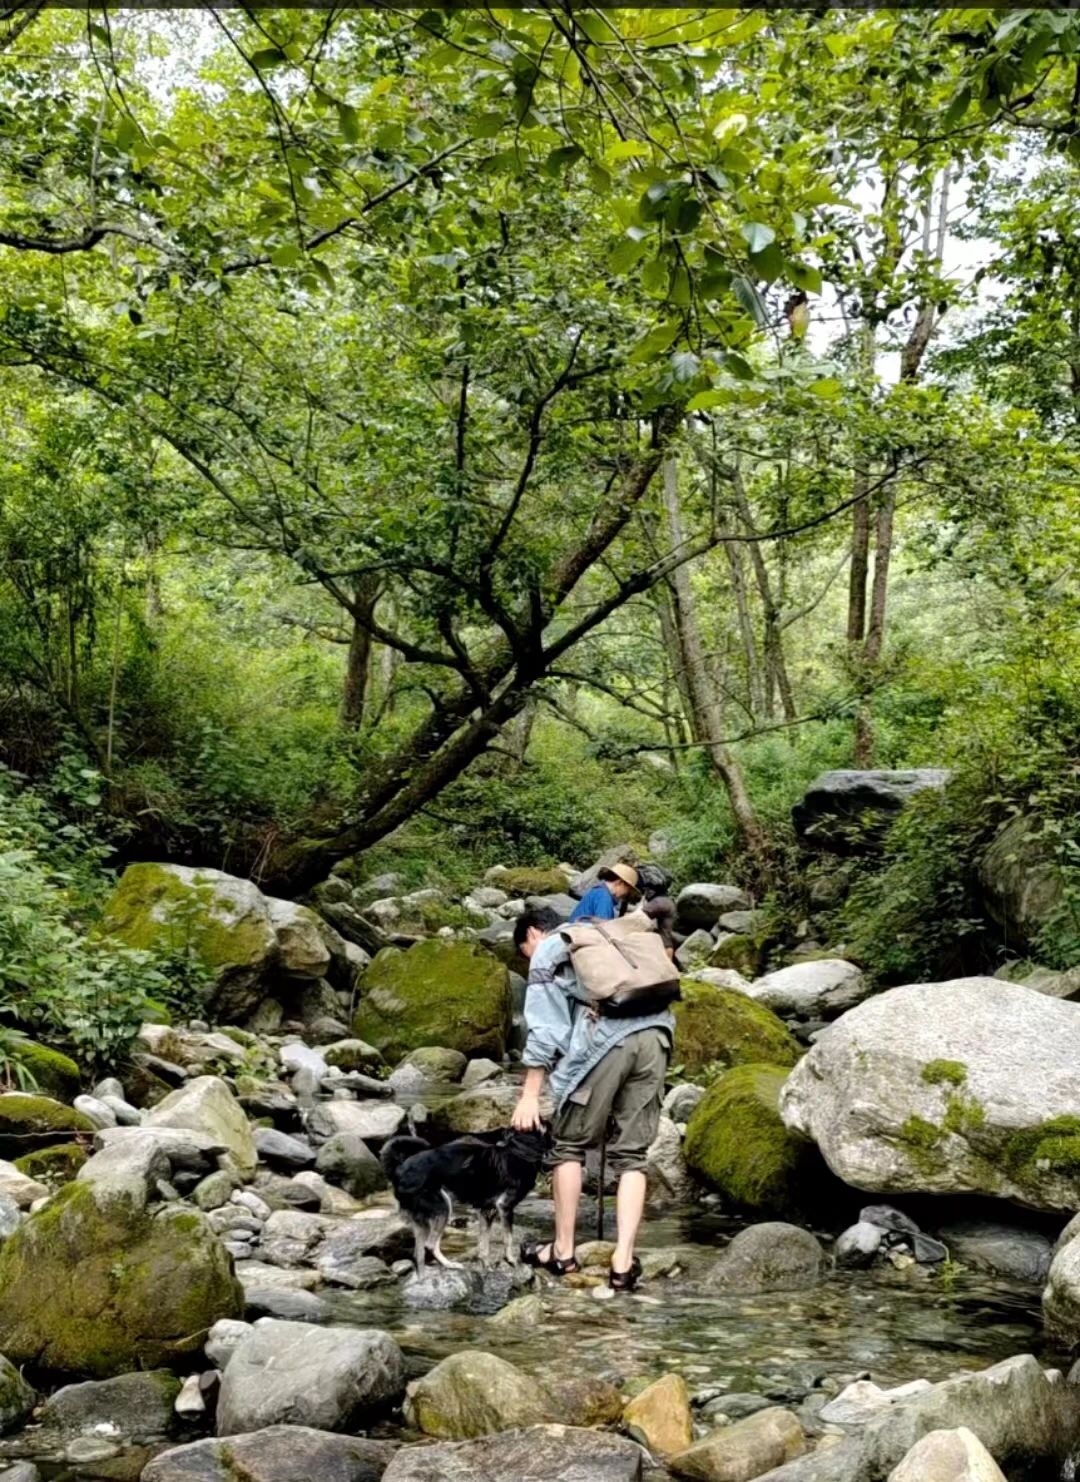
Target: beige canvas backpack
column 622, row 965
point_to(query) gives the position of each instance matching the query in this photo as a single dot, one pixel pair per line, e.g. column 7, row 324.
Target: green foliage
column 55, row 976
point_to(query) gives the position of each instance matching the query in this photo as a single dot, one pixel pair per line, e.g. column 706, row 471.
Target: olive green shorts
column 625, row 1090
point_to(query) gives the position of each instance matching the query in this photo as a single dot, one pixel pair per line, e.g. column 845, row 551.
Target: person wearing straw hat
column 608, row 897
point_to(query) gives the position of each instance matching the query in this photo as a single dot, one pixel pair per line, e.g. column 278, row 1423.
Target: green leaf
column 758, row 236
column 324, row 273
column 803, row 276
column 654, row 277
column 750, row 299
column 267, row 57
column 768, row 264
column 626, row 254
column 656, row 341
column 828, row 388
column 348, row 122
column 685, row 365
column 739, row 367
column 561, row 159
column 706, row 399
column 956, row 110
column 626, row 149
column 286, row 255
column 127, row 133
column 487, row 125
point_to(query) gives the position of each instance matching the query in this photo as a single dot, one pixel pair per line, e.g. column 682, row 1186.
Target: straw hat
column 626, row 873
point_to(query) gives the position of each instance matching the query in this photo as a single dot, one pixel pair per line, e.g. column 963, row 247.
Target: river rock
column 291, row 1373
column 665, row 1165
column 721, row 1027
column 859, row 1401
column 437, row 1063
column 948, row 1456
column 346, row 1159
column 771, row 1257
column 376, row 1232
column 280, row 1453
column 744, row 1450
column 539, row 1453
column 207, row 1105
column 221, row 919
column 694, row 949
column 681, row 1100
column 19, row 1186
column 440, row 991
column 289, row 1237
column 478, row 1071
column 278, row 1148
column 472, row 1394
column 136, row 1407
column 1061, row 1297
column 96, row 1111
column 300, row 938
column 821, row 989
column 1018, row 1411
column 702, row 905
column 483, row 1110
column 845, row 811
column 353, row 1054
column 99, row 1288
column 1006, row 1250
column 29, row 1122
column 858, row 1244
column 661, row 1415
column 22, row 1471
column 371, row 1121
column 969, row 1086
column 17, row 1399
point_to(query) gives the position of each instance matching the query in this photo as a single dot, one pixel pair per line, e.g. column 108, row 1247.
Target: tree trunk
column 775, row 663
column 699, row 692
column 757, row 703
column 358, row 660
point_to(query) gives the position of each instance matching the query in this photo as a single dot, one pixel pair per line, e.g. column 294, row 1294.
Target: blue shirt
column 565, row 1037
column 598, row 902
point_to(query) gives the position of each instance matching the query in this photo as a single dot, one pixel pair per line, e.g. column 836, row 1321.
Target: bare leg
column 566, row 1186
column 629, row 1209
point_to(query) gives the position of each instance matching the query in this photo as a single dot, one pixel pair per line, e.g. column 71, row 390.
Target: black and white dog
column 491, row 1171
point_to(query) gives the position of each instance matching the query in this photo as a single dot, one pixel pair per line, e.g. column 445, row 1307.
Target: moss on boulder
column 29, row 1122
column 54, row 1074
column 440, row 992
column 95, row 1286
column 53, row 1165
column 221, row 920
column 737, row 1143
column 522, row 882
column 723, row 1027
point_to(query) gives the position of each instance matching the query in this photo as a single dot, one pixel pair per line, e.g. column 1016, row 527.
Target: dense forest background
column 433, row 440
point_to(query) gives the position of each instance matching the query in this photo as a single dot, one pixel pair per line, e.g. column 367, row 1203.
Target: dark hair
column 542, row 917
column 606, row 874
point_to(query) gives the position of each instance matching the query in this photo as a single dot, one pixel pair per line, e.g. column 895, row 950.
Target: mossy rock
column 29, row 1122
column 522, row 882
column 221, row 920
column 736, row 1142
column 722, row 1027
column 440, row 992
column 53, row 1165
column 738, row 951
column 98, row 1287
column 54, row 1074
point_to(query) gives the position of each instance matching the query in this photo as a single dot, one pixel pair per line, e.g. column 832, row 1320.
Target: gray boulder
column 770, row 1257
column 280, row 1453
column 845, row 811
column 474, row 1393
column 376, row 1232
column 372, row 1121
column 289, row 1237
column 291, row 1373
column 859, row 1244
column 279, row 1149
column 138, row 1407
column 948, row 1456
column 346, row 1160
column 969, row 1086
column 1006, row 1250
column 681, row 1100
column 207, row 1105
column 301, row 938
column 1022, row 882
column 738, row 1452
column 539, row 1453
column 822, row 989
column 701, row 905
column 1061, row 1297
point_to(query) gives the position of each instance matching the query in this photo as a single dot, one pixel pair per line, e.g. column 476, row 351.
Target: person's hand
column 526, row 1117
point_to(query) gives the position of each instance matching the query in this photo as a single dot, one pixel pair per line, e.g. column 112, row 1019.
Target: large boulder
column 660, row 1415
column 1005, row 1250
column 99, row 1285
column 137, row 1407
column 474, row 1393
column 301, row 937
column 439, row 992
column 539, row 1453
column 948, row 1456
column 280, row 1453
column 1022, row 882
column 523, row 881
column 207, row 1105
column 970, row 1086
column 220, row 919
column 54, row 1074
column 846, row 811
column 771, row 1257
column 292, row 1373
column 738, row 1145
column 17, row 1399
column 29, row 1122
column 739, row 1452
column 820, row 989
column 700, row 906
column 722, row 1027
column 1061, row 1298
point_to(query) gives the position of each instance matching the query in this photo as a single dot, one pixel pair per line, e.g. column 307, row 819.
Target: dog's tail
column 399, row 1150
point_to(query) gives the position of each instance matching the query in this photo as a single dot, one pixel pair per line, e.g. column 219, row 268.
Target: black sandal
column 554, row 1266
column 625, row 1281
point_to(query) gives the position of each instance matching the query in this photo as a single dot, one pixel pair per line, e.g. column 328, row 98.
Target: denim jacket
column 564, row 1037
